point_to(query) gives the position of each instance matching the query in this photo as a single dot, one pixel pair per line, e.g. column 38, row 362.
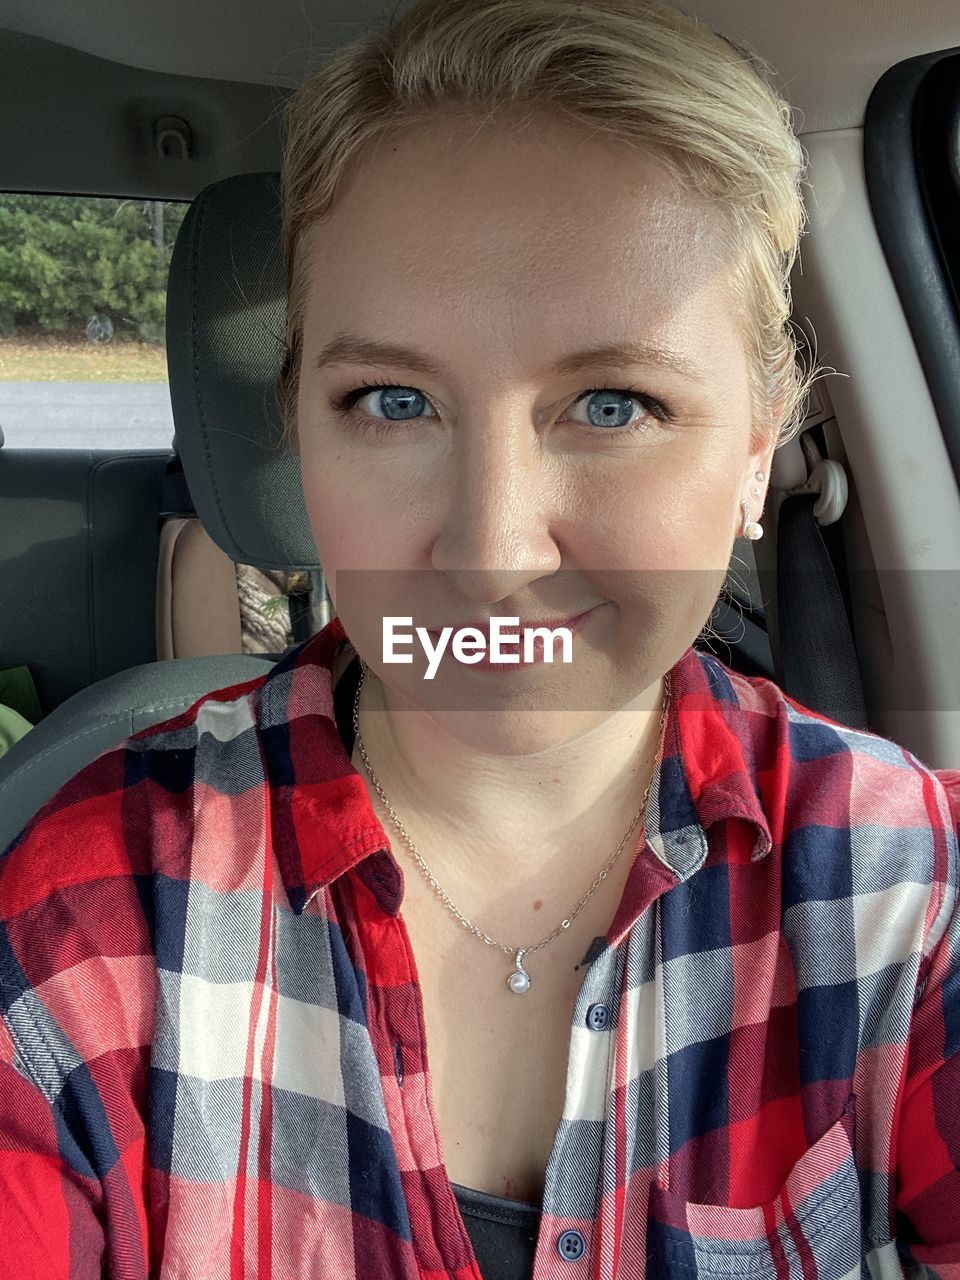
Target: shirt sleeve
column 77, row 1006
column 928, row 1147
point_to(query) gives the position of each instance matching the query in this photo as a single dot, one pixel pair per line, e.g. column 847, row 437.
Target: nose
column 503, row 496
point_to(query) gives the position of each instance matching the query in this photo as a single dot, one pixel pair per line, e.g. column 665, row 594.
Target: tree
column 63, row 258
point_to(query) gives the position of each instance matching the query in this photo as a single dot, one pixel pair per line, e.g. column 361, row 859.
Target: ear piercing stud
column 750, row 528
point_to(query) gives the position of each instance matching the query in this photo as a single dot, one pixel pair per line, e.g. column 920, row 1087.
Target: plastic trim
column 910, row 243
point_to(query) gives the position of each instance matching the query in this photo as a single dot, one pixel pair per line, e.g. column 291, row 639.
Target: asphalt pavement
column 86, row 415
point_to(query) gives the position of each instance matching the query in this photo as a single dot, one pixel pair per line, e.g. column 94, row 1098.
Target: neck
column 543, row 823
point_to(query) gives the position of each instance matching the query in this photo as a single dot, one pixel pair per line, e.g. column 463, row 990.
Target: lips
column 486, row 663
column 483, row 625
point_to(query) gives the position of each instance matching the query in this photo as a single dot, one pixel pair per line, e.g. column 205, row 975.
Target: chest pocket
column 810, row 1231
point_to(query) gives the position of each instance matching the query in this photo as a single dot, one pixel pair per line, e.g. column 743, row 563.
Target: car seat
column 225, row 323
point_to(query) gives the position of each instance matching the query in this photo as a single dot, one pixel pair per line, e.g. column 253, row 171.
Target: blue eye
column 611, row 410
column 406, row 402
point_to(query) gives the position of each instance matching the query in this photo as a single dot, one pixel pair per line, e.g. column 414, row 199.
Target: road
column 86, row 415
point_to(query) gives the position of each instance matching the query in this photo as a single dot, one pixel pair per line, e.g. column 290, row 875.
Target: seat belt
column 817, row 662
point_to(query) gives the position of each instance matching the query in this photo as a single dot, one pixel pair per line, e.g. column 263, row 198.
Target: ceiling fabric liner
column 829, row 53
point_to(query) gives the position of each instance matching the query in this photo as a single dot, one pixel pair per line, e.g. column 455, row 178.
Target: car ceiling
column 828, row 53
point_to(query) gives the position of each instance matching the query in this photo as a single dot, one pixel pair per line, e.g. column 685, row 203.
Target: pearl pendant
column 519, row 982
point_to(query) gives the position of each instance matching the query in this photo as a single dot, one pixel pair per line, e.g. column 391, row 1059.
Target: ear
column 759, row 460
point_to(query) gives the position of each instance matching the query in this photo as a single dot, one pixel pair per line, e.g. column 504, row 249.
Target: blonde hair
column 636, row 70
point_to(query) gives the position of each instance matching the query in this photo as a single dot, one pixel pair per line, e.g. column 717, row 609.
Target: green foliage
column 66, row 258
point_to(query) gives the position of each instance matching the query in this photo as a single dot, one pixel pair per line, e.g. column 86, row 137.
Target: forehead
column 517, row 226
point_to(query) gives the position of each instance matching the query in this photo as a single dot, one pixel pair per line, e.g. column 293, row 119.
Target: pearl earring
column 751, row 529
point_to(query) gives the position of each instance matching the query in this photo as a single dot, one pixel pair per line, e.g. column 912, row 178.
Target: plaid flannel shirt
column 211, row 1053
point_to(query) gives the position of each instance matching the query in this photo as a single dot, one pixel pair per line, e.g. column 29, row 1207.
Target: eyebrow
column 349, row 348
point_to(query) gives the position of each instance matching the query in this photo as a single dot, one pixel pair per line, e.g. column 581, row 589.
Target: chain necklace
column 519, row 981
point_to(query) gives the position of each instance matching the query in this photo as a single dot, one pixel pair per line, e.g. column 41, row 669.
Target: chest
column 284, row 1058
column 498, row 1068
column 499, row 1062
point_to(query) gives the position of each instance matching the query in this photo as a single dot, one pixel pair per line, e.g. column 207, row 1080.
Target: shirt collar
column 323, row 824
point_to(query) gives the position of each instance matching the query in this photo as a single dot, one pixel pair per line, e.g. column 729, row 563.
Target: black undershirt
column 503, row 1232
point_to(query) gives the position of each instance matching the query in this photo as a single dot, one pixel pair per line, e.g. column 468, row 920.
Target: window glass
column 82, row 300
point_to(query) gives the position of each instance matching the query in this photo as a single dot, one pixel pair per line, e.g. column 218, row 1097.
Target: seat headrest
column 226, row 309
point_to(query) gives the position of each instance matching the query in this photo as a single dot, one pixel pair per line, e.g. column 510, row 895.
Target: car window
column 82, row 303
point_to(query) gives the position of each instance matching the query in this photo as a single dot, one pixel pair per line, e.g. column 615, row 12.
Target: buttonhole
column 398, row 1062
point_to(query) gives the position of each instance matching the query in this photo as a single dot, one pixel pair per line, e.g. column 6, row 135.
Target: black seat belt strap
column 817, row 661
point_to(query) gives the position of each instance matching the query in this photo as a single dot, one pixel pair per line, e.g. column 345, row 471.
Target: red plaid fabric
column 211, row 1059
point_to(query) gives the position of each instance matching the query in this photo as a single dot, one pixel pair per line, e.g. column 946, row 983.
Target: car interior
column 133, row 557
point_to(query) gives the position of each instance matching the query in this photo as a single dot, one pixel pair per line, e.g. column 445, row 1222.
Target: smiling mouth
column 483, row 626
column 539, row 648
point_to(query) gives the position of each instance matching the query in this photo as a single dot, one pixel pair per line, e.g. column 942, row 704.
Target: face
column 488, row 473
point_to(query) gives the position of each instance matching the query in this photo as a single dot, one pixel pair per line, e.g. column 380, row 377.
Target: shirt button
column 571, row 1245
column 598, row 1015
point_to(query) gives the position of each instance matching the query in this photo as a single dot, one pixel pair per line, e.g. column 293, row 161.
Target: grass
column 68, row 359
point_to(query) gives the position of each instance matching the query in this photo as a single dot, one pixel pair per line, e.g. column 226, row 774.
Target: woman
column 685, row 955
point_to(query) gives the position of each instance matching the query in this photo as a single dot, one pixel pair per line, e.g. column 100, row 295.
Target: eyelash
column 343, row 405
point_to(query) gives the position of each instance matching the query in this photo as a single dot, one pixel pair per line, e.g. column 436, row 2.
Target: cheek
column 364, row 550
column 676, row 517
column 664, row 540
column 706, row 494
column 345, row 526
